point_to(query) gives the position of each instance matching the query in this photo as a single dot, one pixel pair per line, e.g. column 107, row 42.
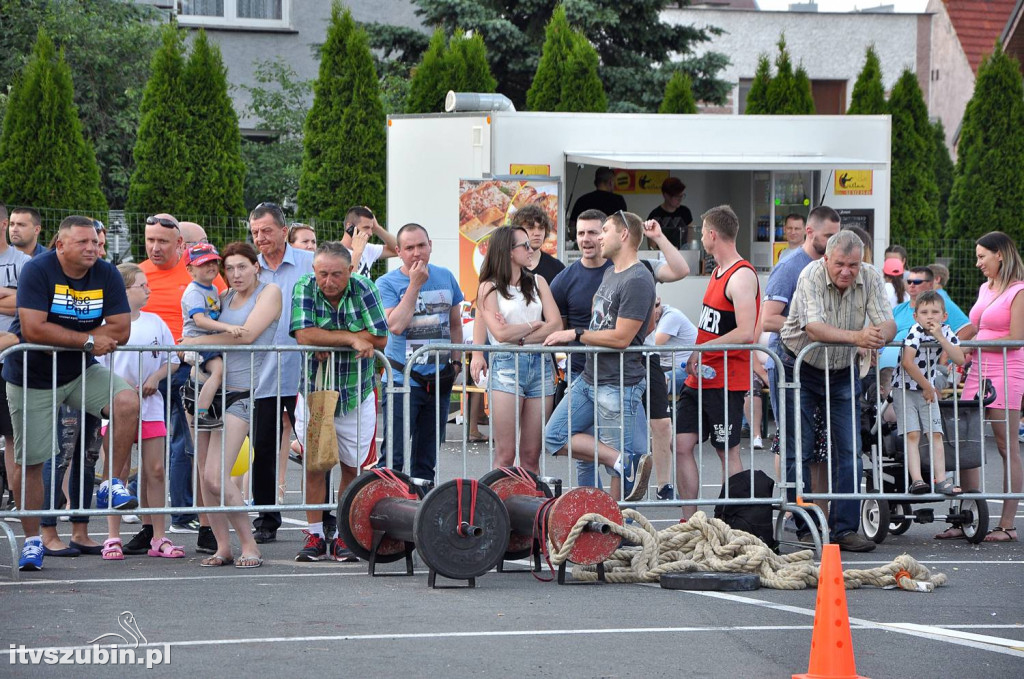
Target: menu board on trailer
column 486, row 204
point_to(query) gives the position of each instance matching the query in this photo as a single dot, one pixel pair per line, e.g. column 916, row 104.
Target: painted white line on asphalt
column 862, row 623
column 1015, row 644
column 333, row 573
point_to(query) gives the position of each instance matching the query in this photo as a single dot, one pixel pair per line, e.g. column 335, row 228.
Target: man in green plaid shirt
column 332, row 307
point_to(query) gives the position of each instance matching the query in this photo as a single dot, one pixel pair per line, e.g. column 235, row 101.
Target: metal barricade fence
column 80, row 455
column 882, row 487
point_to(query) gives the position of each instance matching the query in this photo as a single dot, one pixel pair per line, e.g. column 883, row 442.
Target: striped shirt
column 360, row 308
column 817, row 300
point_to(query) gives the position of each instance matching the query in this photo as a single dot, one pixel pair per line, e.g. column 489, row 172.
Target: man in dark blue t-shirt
column 72, row 299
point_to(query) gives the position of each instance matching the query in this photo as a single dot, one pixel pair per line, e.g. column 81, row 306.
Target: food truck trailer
column 461, row 175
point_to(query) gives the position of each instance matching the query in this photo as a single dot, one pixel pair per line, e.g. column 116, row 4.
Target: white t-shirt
column 681, row 332
column 146, row 329
column 371, row 253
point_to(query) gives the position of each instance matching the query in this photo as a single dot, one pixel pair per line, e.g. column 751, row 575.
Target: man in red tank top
column 711, row 405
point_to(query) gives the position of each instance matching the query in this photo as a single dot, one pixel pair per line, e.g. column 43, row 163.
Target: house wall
column 952, row 78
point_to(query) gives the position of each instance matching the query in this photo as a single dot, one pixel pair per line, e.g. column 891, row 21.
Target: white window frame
column 232, row 20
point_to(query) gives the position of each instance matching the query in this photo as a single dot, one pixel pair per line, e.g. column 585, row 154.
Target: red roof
column 978, row 24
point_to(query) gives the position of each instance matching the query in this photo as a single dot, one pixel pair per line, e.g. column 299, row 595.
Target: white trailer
column 763, row 166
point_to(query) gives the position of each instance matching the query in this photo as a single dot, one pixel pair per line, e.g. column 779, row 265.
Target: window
column 235, row 13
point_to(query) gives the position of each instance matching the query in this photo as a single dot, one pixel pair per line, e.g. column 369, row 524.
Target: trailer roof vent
column 476, row 101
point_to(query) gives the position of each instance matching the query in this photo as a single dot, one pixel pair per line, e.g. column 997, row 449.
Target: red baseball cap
column 201, row 253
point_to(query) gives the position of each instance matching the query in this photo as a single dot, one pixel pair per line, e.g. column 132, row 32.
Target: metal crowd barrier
column 18, row 352
column 879, row 454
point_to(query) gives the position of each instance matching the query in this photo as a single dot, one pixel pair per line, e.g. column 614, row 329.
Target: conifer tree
column 546, row 91
column 45, row 161
column 159, row 182
column 943, row 164
column 803, row 96
column 988, row 187
column 757, row 97
column 582, row 89
column 344, row 144
column 678, row 95
column 782, row 96
column 429, row 79
column 214, row 143
column 475, row 74
column 868, row 96
column 914, row 199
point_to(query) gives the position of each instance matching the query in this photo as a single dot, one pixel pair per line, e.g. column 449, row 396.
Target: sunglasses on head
column 162, row 221
column 268, row 205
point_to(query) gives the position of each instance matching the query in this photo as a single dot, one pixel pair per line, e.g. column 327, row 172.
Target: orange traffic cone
column 831, row 642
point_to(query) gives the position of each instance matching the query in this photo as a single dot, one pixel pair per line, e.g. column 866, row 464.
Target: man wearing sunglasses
column 168, row 277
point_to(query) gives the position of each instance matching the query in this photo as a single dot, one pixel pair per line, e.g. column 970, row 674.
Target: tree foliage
column 804, row 97
column 545, row 92
column 107, row 44
column 757, row 97
column 944, row 167
column 914, row 199
column 45, row 161
column 785, row 93
column 868, row 96
column 459, row 64
column 344, row 143
column 160, row 180
column 635, row 47
column 582, row 89
column 214, row 143
column 678, row 95
column 988, row 187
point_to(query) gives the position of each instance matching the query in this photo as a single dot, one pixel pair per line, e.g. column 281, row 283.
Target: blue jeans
column 423, row 420
column 69, row 444
column 844, row 515
column 616, row 418
column 179, row 469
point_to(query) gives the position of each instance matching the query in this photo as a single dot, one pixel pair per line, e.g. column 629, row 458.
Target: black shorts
column 713, row 418
column 657, row 388
column 6, row 427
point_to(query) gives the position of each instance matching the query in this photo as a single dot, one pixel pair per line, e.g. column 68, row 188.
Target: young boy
column 200, row 308
column 914, row 395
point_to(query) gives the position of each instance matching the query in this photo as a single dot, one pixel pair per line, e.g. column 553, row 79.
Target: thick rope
column 710, row 545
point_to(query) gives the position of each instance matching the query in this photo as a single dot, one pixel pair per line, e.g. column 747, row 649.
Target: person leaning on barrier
column 282, row 265
column 421, row 302
column 333, row 307
column 12, row 260
column 836, row 301
column 729, row 315
column 623, row 305
column 69, row 298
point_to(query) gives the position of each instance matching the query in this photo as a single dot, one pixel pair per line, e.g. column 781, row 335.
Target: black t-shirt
column 605, row 201
column 675, row 225
column 78, row 304
column 548, row 267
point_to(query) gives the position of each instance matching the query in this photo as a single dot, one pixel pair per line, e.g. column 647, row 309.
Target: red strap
column 473, row 485
column 389, row 477
column 541, row 519
column 521, row 474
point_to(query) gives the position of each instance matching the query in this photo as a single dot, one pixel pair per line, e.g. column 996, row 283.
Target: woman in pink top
column 999, row 315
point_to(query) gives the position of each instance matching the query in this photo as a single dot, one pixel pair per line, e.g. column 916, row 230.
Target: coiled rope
column 708, row 544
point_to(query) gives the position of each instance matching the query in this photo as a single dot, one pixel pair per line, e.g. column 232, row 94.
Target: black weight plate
column 435, row 531
column 711, row 582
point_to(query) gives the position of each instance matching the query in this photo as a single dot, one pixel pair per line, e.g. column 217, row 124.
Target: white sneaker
column 757, row 443
column 131, row 518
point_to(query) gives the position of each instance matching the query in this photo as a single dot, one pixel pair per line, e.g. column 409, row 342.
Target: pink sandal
column 112, row 550
column 156, row 548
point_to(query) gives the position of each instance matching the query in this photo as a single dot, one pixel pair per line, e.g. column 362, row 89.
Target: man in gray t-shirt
column 11, row 261
column 622, row 308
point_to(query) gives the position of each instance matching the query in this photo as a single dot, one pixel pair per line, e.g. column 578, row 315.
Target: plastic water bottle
column 707, row 372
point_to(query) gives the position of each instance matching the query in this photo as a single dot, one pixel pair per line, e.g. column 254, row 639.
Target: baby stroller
column 886, row 474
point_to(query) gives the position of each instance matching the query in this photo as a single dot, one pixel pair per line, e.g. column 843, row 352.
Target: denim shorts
column 529, row 383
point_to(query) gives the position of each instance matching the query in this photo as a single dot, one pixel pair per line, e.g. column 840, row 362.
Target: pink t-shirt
column 991, row 316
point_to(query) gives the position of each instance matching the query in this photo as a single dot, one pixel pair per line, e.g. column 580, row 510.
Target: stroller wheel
column 874, row 518
column 977, row 510
column 901, row 526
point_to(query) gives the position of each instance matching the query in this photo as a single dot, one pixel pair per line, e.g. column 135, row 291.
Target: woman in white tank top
column 518, row 310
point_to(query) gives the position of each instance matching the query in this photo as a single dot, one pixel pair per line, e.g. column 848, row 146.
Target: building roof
column 1013, row 33
column 978, row 24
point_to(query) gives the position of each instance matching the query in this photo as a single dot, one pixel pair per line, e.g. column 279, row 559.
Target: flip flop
column 1005, row 531
column 91, row 550
column 112, row 550
column 67, row 551
column 952, row 533
column 216, row 561
column 478, row 439
column 156, row 548
column 249, row 562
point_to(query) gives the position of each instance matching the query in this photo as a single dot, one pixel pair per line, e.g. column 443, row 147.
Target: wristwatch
column 579, row 334
column 90, row 342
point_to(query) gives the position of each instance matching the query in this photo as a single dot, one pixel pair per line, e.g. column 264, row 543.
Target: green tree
column 943, row 164
column 988, row 187
column 678, row 95
column 459, row 65
column 786, row 95
column 546, row 91
column 45, row 161
column 214, row 143
column 344, row 144
column 582, row 89
column 914, row 198
column 635, row 47
column 757, row 97
column 804, row 97
column 107, row 44
column 279, row 105
column 868, row 92
column 475, row 72
column 160, row 180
